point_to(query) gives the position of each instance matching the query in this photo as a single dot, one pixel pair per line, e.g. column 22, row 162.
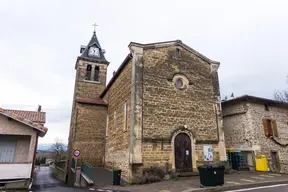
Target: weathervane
column 95, row 25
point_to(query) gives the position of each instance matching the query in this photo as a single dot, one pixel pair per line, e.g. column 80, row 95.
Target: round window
column 179, row 83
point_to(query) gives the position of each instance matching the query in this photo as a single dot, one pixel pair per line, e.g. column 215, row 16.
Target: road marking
column 267, row 176
column 190, row 190
column 255, row 188
column 260, row 178
column 251, row 181
column 274, row 174
column 164, row 191
column 231, row 182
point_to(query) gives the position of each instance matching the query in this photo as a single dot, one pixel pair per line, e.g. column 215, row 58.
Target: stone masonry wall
column 89, row 135
column 166, row 108
column 118, row 137
column 90, row 89
column 247, row 130
column 88, row 122
column 236, row 127
column 157, row 153
column 257, row 113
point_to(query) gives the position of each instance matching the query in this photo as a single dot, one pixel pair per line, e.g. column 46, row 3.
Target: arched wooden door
column 183, row 157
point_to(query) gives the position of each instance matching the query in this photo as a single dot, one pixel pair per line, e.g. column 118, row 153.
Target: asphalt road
column 272, row 188
column 45, row 182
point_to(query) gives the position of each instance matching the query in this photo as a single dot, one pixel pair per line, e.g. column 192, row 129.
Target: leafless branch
column 282, row 95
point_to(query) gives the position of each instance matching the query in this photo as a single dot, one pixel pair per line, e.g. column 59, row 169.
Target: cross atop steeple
column 93, row 51
column 95, row 25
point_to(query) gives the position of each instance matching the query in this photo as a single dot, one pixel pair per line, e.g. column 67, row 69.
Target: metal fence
column 87, row 169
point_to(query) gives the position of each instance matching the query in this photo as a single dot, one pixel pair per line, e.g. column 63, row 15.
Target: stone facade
column 87, row 127
column 159, row 110
column 159, row 91
column 244, row 128
column 88, row 117
column 89, row 135
column 167, row 110
column 117, row 133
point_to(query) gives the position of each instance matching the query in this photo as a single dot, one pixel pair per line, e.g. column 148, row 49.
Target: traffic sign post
column 76, row 154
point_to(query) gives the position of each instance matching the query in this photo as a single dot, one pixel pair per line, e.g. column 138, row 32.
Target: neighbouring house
column 19, row 131
column 256, row 126
column 161, row 106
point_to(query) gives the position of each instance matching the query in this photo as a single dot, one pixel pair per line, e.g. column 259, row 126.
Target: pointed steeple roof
column 94, row 43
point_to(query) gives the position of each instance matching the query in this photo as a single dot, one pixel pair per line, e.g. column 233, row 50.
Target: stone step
column 188, row 174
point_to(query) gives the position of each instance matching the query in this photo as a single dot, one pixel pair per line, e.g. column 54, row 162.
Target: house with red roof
column 19, row 132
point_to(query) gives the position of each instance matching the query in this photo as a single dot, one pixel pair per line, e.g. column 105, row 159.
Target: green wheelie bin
column 211, row 175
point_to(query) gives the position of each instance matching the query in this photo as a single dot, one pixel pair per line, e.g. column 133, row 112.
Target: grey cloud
column 40, row 42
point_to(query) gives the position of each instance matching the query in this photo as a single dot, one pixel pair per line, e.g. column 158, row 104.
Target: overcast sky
column 40, row 41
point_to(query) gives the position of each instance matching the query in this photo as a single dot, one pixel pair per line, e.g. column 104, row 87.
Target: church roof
column 118, row 72
column 171, row 43
column 91, row 101
column 255, row 99
column 94, row 42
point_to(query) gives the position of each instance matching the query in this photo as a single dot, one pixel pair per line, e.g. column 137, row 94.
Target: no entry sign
column 76, row 153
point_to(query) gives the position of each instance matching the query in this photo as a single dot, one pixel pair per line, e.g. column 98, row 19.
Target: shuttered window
column 270, row 128
column 275, row 129
column 7, row 151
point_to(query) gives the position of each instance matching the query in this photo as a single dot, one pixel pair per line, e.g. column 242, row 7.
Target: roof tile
column 18, row 116
column 35, row 116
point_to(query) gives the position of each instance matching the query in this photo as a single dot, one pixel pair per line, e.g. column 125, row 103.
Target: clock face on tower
column 94, row 51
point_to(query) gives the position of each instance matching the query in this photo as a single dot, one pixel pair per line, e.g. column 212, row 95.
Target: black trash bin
column 211, row 175
column 116, row 177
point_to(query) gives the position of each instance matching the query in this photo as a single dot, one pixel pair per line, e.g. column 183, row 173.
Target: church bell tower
column 88, row 118
column 91, row 67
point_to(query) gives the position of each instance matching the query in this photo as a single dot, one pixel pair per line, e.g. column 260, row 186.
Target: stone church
column 161, row 105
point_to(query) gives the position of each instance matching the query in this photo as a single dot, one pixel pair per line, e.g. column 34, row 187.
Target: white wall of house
column 15, row 171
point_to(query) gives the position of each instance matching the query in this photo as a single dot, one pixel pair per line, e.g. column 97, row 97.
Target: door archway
column 182, row 152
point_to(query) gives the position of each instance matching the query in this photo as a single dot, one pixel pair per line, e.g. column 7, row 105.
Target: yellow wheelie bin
column 261, row 163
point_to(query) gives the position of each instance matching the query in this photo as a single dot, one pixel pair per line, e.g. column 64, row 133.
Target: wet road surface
column 44, row 181
column 272, row 188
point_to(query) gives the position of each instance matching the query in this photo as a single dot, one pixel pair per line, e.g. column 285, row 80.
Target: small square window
column 178, row 52
column 267, row 107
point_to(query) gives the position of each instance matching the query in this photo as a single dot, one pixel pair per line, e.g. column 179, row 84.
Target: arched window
column 88, row 72
column 96, row 73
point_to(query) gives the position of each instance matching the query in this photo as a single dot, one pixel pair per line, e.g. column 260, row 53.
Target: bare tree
column 282, row 95
column 59, row 148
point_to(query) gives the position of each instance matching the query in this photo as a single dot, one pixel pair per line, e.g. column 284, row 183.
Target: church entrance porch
column 182, row 152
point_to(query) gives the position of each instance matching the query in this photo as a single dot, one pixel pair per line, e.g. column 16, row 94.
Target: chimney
column 114, row 73
column 39, row 108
